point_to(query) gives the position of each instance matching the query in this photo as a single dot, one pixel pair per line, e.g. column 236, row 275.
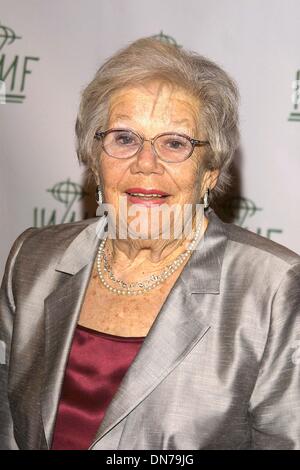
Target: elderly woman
column 152, row 342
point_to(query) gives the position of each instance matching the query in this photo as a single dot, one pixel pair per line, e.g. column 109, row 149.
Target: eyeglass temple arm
column 199, row 142
column 99, row 134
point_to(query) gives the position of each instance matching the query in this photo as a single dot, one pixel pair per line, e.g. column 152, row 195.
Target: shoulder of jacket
column 262, row 247
column 35, row 242
column 64, row 231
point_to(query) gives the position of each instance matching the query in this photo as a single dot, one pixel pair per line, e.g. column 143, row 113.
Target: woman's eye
column 175, row 144
column 125, row 139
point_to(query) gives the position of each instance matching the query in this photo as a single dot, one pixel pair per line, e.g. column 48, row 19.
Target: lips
column 146, row 192
column 146, row 196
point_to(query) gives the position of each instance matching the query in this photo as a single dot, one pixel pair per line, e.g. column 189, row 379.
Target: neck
column 146, row 256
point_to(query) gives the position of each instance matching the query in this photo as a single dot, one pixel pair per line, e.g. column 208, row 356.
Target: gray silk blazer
column 219, row 368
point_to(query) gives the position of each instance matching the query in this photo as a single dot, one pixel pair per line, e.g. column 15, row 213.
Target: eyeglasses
column 168, row 146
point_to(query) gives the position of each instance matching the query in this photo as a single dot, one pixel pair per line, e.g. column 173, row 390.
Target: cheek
column 189, row 177
column 111, row 173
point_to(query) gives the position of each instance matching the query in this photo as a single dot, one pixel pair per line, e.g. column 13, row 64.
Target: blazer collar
column 203, row 271
column 81, row 250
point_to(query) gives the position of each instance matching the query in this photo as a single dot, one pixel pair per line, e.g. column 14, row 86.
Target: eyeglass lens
column 125, row 143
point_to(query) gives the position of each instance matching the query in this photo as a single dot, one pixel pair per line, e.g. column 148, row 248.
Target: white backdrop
column 49, row 50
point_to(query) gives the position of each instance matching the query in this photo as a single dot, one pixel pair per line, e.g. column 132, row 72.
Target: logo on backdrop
column 66, row 194
column 243, row 211
column 165, row 38
column 14, row 69
column 295, row 113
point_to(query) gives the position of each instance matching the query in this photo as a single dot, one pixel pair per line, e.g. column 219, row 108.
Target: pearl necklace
column 148, row 284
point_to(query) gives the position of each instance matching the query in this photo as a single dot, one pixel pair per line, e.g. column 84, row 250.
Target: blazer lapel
column 176, row 330
column 180, row 325
column 62, row 308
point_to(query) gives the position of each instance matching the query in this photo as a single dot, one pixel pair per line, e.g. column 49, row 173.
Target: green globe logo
column 241, row 208
column 165, row 38
column 7, row 36
column 67, row 193
column 14, row 71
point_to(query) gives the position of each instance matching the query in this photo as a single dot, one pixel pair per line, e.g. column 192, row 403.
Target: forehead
column 154, row 102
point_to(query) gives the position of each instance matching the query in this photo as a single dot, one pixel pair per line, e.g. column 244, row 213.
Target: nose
column 146, row 160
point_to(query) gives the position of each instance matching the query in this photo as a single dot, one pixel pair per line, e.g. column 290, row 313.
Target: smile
column 147, row 196
column 142, row 195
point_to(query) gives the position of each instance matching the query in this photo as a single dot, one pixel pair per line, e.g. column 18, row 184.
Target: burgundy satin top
column 96, row 365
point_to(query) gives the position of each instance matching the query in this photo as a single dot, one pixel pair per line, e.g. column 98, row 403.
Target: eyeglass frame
column 195, row 142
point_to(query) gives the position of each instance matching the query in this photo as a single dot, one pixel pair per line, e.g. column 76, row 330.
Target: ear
column 96, row 175
column 210, row 180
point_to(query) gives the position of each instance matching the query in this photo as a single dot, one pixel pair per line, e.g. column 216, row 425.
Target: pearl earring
column 206, row 199
column 99, row 199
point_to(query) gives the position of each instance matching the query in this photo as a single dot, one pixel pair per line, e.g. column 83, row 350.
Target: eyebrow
column 122, row 116
column 182, row 121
